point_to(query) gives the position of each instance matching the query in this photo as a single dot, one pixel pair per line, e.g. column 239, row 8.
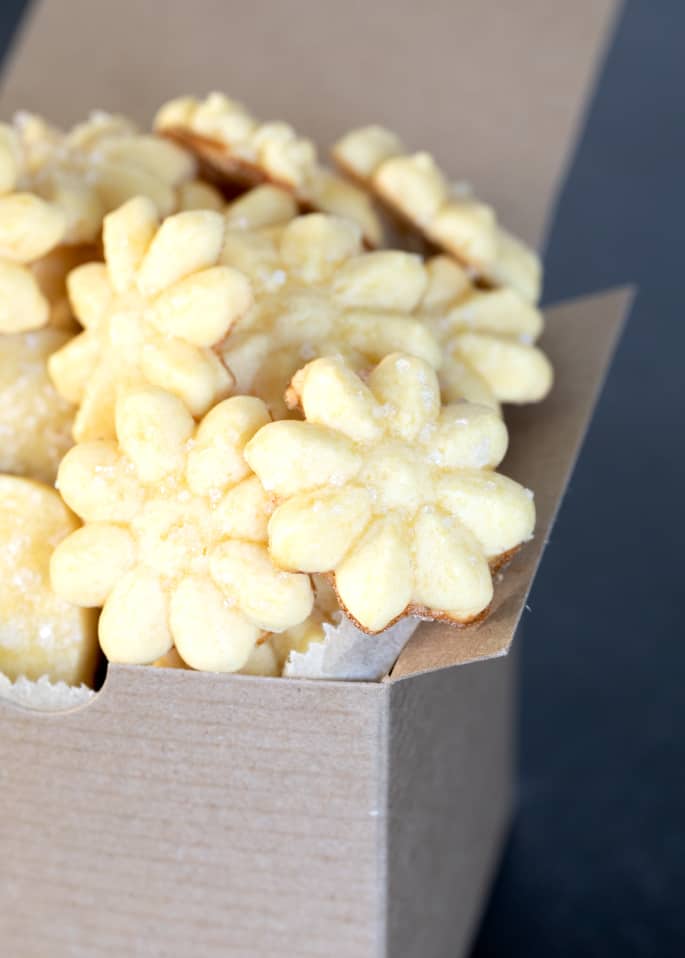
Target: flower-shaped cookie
column 35, row 422
column 40, row 632
column 55, row 189
column 152, row 313
column 174, row 541
column 95, row 167
column 390, row 493
column 318, row 293
column 239, row 151
column 415, row 190
column 488, row 339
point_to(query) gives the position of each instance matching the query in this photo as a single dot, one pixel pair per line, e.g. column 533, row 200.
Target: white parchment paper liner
column 348, row 653
column 43, row 695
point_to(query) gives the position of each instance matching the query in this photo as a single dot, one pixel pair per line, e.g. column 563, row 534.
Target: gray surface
column 596, row 864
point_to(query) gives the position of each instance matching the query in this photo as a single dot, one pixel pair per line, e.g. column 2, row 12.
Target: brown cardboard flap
column 495, row 90
column 544, row 443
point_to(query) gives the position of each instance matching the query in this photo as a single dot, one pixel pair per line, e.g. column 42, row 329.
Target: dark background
column 596, row 861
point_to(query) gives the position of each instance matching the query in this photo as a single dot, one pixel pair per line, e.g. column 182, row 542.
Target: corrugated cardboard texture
column 449, row 800
column 544, row 442
column 494, row 89
column 183, row 815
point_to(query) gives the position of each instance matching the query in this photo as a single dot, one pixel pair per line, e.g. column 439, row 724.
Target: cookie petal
column 271, row 599
column 452, row 576
column 202, row 307
column 459, row 380
column 215, row 460
column 208, row 633
column 153, row 428
column 374, row 335
column 314, row 246
column 126, row 236
column 22, row 304
column 515, row 372
column 95, row 482
column 243, row 512
column 313, row 532
column 331, row 394
column 467, row 436
column 290, row 457
column 375, row 581
column 197, row 376
column 86, row 566
column 134, row 624
column 384, row 280
column 408, row 389
column 500, row 311
column 29, row 227
column 72, row 366
column 183, row 244
column 498, row 511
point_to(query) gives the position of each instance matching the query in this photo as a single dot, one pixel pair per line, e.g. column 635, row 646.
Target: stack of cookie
column 231, row 412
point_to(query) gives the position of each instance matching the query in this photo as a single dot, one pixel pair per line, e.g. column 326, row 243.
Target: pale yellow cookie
column 271, row 653
column 240, row 151
column 40, row 633
column 199, row 195
column 51, row 272
column 96, row 166
column 488, row 338
column 55, row 189
column 449, row 216
column 391, row 494
column 262, row 661
column 152, row 313
column 317, row 292
column 35, row 421
column 174, row 541
column 261, row 207
column 30, row 228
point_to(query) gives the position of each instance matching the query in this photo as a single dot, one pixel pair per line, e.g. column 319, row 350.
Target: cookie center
column 397, row 478
column 174, row 535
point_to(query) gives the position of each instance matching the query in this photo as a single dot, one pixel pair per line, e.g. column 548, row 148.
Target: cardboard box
column 184, row 814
